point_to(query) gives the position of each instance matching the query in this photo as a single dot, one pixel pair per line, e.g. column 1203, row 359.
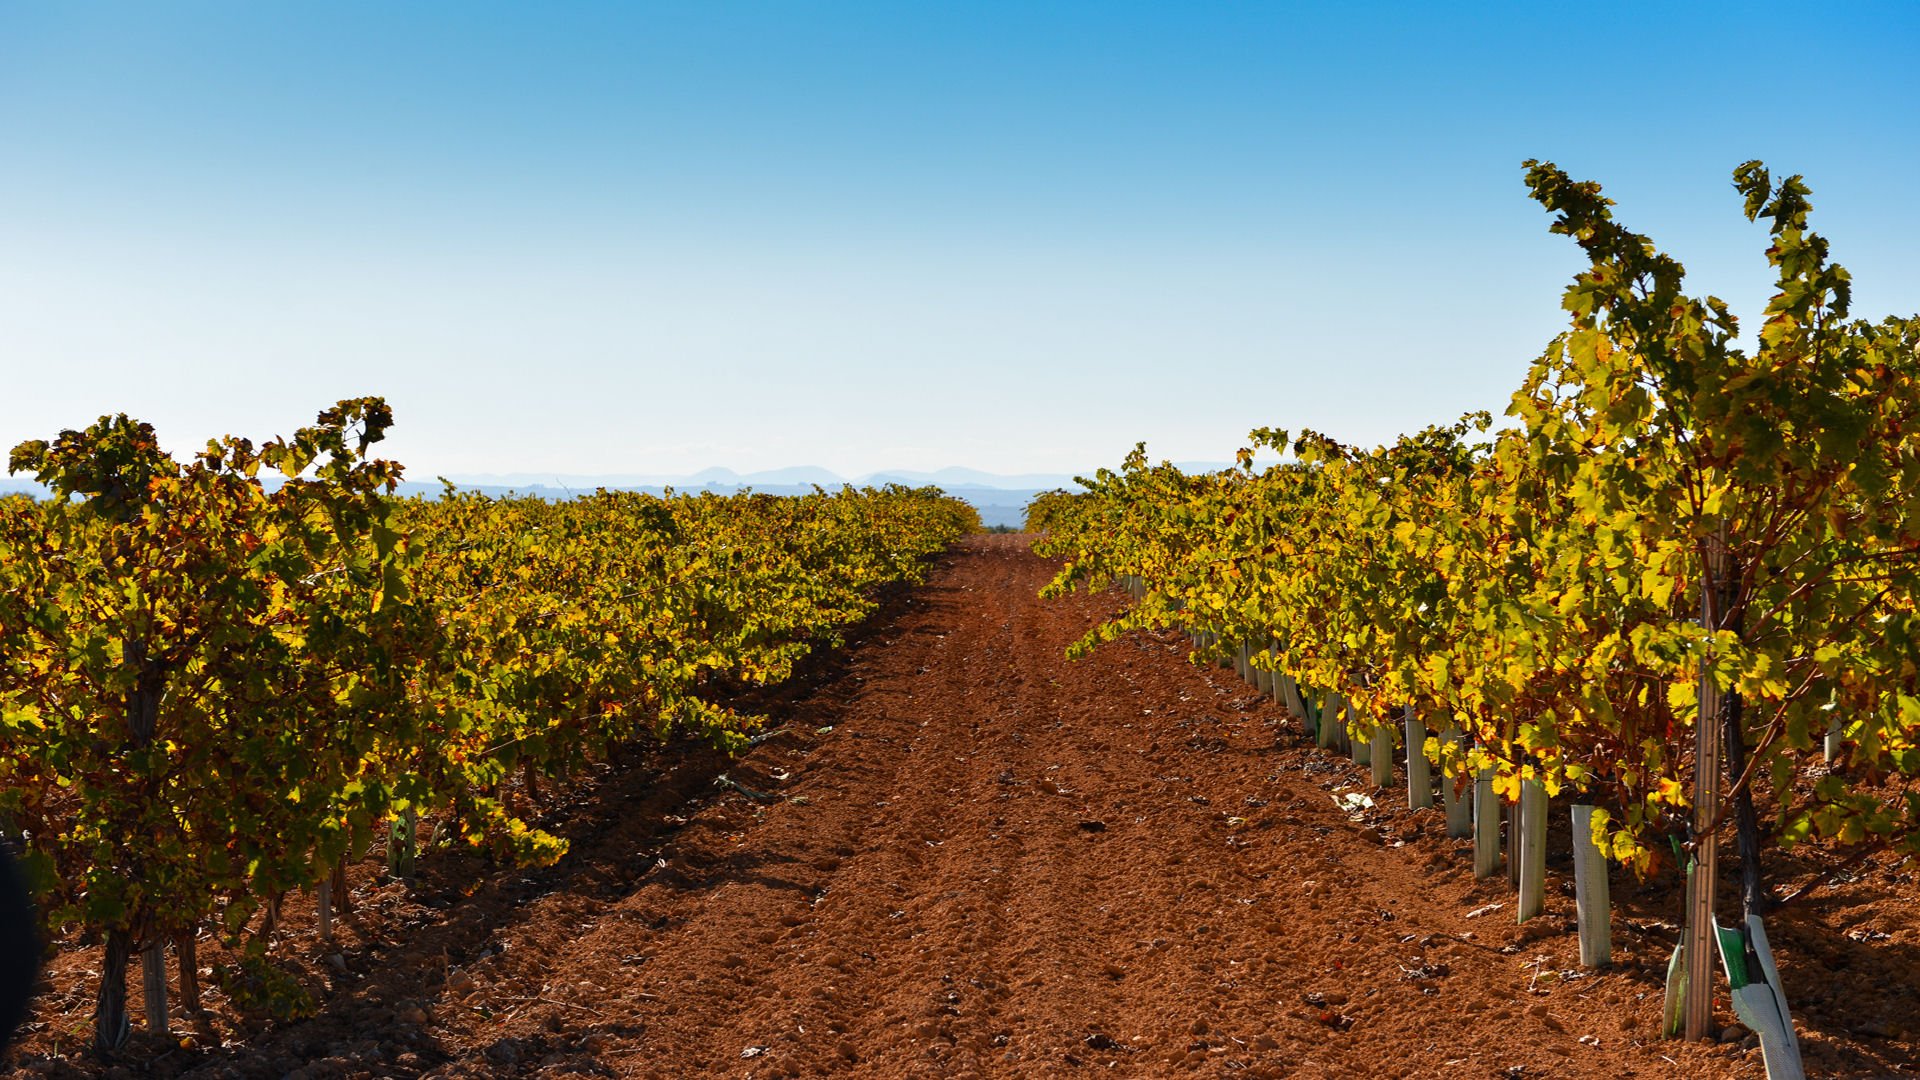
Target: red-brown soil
column 981, row 860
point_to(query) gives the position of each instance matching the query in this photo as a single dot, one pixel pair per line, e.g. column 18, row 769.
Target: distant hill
column 1000, row 499
column 980, row 488
column 803, row 476
column 955, row 477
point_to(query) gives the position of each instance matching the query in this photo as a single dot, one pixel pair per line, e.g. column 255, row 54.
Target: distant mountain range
column 1001, row 499
column 799, row 475
column 951, row 478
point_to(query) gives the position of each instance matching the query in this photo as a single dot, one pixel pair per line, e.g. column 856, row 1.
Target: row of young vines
column 1666, row 519
column 216, row 690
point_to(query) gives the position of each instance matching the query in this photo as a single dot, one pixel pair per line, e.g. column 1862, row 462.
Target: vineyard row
column 1678, row 584
column 217, row 690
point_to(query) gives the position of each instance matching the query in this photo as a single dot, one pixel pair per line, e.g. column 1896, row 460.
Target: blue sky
column 632, row 238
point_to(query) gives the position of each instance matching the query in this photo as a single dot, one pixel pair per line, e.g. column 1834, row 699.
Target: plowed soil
column 961, row 856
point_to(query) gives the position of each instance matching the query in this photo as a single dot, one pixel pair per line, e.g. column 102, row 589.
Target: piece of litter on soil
column 824, row 730
column 1353, row 800
column 1490, row 908
column 753, row 1051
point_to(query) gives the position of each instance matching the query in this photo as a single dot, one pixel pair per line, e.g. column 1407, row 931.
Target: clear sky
column 637, row 237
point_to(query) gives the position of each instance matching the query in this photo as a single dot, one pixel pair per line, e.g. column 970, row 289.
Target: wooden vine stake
column 1512, row 810
column 153, row 980
column 1532, row 848
column 186, row 953
column 341, row 894
column 270, row 919
column 1459, row 807
column 323, row 905
column 1590, row 892
column 1419, row 775
column 1486, row 827
column 1699, row 938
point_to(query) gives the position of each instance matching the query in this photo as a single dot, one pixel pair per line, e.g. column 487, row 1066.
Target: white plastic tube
column 1381, row 754
column 1486, row 827
column 1459, row 807
column 1333, row 709
column 1590, row 892
column 1419, row 771
column 1533, row 849
column 1290, row 693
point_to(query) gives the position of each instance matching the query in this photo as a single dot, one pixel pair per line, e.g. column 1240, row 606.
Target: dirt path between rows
column 977, row 859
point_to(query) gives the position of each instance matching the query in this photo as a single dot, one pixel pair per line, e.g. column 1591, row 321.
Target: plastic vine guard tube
column 1296, row 704
column 1532, row 850
column 1486, row 827
column 1590, row 892
column 1381, row 755
column 1459, row 807
column 1419, row 779
column 1757, row 998
column 1675, row 1008
column 1327, row 721
column 1277, row 679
